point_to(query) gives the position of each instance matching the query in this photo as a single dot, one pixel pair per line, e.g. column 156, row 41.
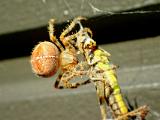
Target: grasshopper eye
column 45, row 59
column 88, row 45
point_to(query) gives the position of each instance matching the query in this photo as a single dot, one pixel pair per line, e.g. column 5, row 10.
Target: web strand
column 69, row 7
column 97, row 10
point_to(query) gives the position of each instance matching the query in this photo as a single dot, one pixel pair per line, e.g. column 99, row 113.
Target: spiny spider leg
column 68, row 47
column 70, row 27
column 141, row 112
column 51, row 34
column 69, row 75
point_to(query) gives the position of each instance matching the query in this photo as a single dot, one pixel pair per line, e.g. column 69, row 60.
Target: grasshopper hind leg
column 101, row 98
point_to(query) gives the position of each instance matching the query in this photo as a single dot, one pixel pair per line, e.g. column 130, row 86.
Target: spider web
column 73, row 8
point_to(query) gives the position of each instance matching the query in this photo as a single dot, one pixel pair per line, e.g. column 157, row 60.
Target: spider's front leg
column 51, row 34
column 70, row 39
column 71, row 26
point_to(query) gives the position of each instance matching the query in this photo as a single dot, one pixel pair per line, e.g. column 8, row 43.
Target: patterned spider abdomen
column 45, row 59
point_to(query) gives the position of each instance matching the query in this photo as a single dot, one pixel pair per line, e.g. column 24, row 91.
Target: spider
column 48, row 57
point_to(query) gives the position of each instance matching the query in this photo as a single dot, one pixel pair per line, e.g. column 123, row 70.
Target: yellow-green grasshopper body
column 106, row 83
column 104, row 77
column 112, row 92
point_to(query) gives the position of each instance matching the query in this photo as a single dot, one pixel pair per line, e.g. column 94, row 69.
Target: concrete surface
column 18, row 15
column 24, row 96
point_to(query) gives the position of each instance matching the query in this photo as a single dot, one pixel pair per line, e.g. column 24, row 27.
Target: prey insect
column 103, row 74
column 100, row 71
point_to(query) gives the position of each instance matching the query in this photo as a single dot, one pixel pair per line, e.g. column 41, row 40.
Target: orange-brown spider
column 48, row 57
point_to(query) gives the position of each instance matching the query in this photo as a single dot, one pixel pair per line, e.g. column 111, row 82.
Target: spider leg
column 88, row 30
column 69, row 40
column 51, row 34
column 85, row 30
column 63, row 80
column 66, row 83
column 57, row 82
column 141, row 112
column 71, row 26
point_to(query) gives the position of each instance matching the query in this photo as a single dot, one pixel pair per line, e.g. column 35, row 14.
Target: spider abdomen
column 45, row 59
